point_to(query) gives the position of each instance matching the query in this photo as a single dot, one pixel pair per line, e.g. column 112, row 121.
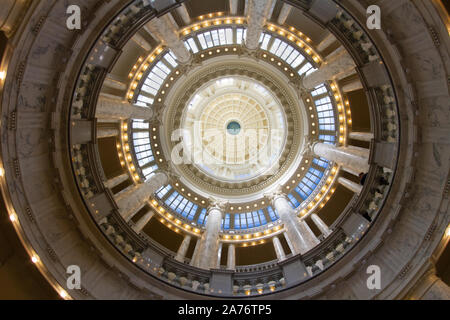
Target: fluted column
column 111, row 183
column 339, row 64
column 131, row 202
column 352, row 158
column 165, row 30
column 298, row 233
column 320, row 225
column 352, row 186
column 107, row 132
column 143, row 221
column 231, row 258
column 257, row 13
column 284, row 13
column 278, row 248
column 361, row 136
column 184, row 14
column 209, row 243
column 181, row 253
column 111, row 108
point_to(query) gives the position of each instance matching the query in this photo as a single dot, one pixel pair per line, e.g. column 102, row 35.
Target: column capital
column 158, row 112
column 168, row 169
column 218, row 204
column 276, row 194
column 310, row 142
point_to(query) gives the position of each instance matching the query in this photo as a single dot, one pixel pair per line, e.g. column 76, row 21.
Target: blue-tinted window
column 293, row 201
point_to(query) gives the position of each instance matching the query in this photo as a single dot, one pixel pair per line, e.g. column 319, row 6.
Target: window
column 320, row 89
column 226, row 222
column 321, row 162
column 142, row 148
column 306, row 69
column 327, row 138
column 265, row 41
column 191, row 45
column 202, row 217
column 156, row 78
column 325, row 114
column 273, row 214
column 163, row 191
column 149, row 171
column 139, row 124
column 171, row 59
column 293, row 201
column 308, row 183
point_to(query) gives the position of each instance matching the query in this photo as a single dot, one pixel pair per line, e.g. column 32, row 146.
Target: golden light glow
column 63, row 294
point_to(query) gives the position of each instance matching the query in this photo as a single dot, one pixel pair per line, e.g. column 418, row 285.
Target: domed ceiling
column 216, row 148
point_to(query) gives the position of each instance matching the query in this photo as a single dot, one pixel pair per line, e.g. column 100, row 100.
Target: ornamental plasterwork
column 291, row 106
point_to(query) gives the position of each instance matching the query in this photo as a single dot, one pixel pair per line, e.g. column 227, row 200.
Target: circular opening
column 233, row 128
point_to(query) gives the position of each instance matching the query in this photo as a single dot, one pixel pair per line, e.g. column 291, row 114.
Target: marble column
column 111, row 108
column 181, row 253
column 209, row 243
column 325, row 43
column 195, row 254
column 134, row 200
column 320, row 225
column 430, row 287
column 184, row 14
column 284, row 13
column 143, row 221
column 139, row 40
column 352, row 186
column 438, row 290
column 299, row 234
column 114, row 84
column 278, row 248
column 219, row 255
column 309, row 236
column 107, row 132
column 257, row 14
column 352, row 158
column 233, row 6
column 111, row 183
column 361, row 136
column 352, row 86
column 288, row 241
column 351, row 171
column 340, row 63
column 165, row 30
column 231, row 258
